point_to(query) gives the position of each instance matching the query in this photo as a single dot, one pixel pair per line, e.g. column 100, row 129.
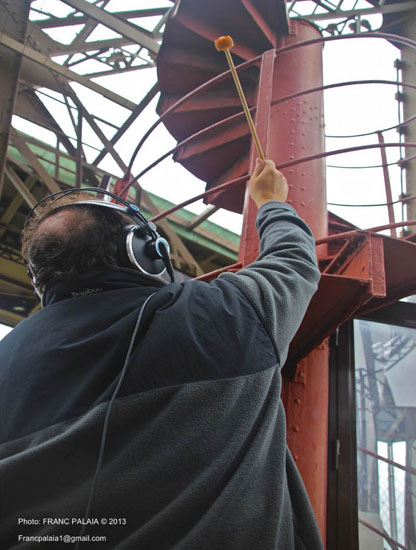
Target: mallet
column 224, row 44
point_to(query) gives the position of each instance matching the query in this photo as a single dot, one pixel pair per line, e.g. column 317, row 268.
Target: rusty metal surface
column 306, row 403
column 360, row 269
column 299, row 127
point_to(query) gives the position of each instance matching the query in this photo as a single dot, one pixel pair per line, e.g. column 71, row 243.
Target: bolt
column 300, row 374
column 298, row 401
column 303, row 188
column 296, row 457
column 302, row 204
column 296, row 429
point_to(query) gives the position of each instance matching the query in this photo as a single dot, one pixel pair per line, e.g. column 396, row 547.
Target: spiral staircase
column 359, row 273
column 188, row 59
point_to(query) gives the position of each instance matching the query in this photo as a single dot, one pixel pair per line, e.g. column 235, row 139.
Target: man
column 192, row 452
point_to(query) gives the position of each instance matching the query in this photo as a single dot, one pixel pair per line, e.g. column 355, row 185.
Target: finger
column 269, row 165
column 258, row 168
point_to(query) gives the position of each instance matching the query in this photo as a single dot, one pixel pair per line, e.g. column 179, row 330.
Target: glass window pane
column 385, row 375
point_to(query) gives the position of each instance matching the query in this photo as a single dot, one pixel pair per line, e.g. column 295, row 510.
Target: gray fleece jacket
column 195, row 455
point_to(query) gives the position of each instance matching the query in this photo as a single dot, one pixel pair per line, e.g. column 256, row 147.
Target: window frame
column 342, row 497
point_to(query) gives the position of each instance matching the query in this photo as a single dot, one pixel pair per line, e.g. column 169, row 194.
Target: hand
column 267, row 183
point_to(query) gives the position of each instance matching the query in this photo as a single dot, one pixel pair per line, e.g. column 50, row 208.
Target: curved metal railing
column 216, row 126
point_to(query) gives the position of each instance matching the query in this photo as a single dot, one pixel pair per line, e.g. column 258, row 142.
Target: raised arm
column 284, row 277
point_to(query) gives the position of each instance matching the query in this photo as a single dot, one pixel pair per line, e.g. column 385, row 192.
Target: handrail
column 386, row 36
column 236, row 116
column 223, row 76
column 405, row 199
column 393, row 543
column 408, row 469
column 342, row 84
column 339, row 152
column 193, row 93
column 226, row 74
column 187, row 140
column 224, row 186
column 348, row 234
column 347, row 136
column 211, row 191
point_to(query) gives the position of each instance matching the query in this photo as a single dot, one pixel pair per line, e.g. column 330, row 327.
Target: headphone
column 139, row 245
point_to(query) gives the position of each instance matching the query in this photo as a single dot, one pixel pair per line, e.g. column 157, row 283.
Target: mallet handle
column 244, row 103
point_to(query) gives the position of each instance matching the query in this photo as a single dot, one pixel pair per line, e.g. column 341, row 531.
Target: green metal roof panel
column 55, row 160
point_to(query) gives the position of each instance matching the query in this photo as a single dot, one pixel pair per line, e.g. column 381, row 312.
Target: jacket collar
column 98, row 281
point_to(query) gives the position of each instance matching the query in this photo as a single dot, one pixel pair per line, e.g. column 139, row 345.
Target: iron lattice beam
column 51, row 64
column 11, row 62
column 339, row 17
column 39, row 58
column 137, row 35
column 70, row 20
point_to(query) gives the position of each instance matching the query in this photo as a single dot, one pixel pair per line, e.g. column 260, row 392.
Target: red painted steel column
column 297, row 130
column 287, row 131
column 297, row 126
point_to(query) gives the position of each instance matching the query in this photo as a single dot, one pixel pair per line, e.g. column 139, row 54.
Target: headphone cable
column 168, row 262
column 107, row 421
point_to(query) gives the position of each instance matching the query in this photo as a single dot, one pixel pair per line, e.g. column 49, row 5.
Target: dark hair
column 85, row 241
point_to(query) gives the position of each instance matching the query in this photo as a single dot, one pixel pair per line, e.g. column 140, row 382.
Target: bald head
column 65, row 224
column 69, row 241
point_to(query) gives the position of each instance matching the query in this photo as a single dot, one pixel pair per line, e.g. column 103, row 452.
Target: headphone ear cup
column 134, row 250
column 121, row 245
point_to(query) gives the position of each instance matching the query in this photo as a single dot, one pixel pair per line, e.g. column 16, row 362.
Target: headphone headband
column 142, row 245
column 130, row 209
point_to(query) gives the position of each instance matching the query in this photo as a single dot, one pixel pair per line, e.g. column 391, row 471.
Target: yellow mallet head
column 224, row 43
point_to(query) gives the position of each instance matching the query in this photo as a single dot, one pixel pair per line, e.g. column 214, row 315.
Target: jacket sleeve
column 282, row 280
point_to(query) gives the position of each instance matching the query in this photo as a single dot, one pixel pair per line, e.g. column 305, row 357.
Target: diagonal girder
column 135, row 113
column 20, row 186
column 11, row 210
column 43, row 60
column 72, row 19
column 11, row 64
column 128, row 30
column 30, row 107
column 33, row 161
column 81, row 37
